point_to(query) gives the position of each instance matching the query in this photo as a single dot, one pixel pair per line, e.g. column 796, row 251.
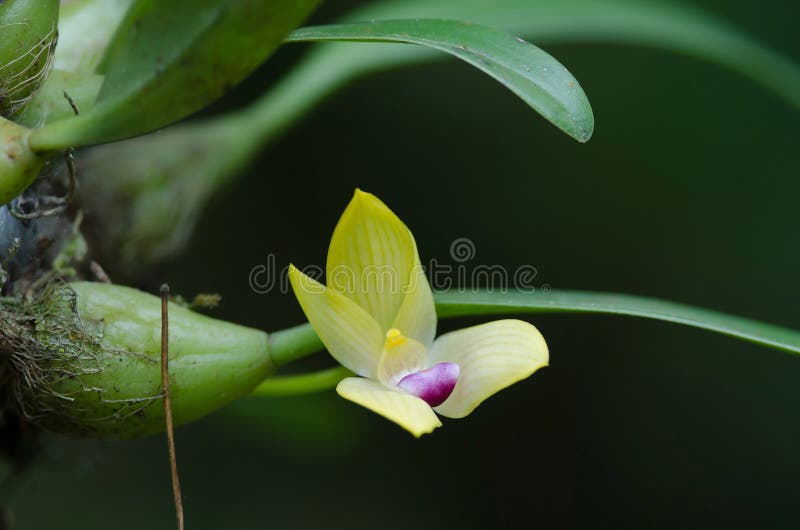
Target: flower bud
column 29, row 33
column 84, row 360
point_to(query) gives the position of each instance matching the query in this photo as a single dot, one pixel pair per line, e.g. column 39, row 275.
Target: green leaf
column 672, row 26
column 453, row 304
column 532, row 74
column 668, row 26
column 85, row 28
column 50, row 104
column 169, row 59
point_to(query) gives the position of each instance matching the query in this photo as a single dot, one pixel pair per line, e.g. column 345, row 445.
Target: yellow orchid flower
column 376, row 316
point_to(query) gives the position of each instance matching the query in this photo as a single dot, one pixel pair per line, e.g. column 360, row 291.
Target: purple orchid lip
column 433, row 385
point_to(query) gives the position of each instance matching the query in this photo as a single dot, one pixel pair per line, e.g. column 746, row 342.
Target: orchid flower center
column 394, row 338
column 404, row 365
column 433, row 385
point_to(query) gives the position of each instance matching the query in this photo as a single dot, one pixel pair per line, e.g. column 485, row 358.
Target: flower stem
column 293, row 343
column 290, row 385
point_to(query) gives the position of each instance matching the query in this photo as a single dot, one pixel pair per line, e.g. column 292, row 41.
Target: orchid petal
column 401, row 356
column 349, row 333
column 491, row 356
column 417, row 314
column 433, row 385
column 373, row 259
column 410, row 412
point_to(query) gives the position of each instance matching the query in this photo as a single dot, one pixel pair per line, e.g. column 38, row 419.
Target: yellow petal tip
column 359, row 193
column 407, row 411
column 366, row 199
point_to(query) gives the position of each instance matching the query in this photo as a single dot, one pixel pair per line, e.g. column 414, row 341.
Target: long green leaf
column 169, row 59
column 670, row 26
column 453, row 304
column 674, row 26
column 532, row 74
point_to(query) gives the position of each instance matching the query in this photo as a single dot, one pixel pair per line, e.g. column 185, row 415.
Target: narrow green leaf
column 452, row 304
column 673, row 26
column 169, row 59
column 669, row 26
column 529, row 72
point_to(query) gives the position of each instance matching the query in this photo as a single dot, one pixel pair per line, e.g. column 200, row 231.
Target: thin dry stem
column 173, row 461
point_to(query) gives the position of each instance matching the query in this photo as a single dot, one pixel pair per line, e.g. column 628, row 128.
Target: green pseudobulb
column 28, row 35
column 85, row 361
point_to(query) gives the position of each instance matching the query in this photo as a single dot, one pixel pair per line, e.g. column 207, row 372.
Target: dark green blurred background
column 688, row 191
